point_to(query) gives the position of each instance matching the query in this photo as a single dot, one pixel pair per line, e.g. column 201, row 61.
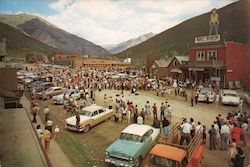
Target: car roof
column 229, row 91
column 170, row 152
column 92, row 108
column 55, row 87
column 137, row 129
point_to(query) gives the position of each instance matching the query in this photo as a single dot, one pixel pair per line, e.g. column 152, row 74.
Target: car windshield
column 230, row 94
column 50, row 89
column 85, row 113
column 130, row 137
column 158, row 161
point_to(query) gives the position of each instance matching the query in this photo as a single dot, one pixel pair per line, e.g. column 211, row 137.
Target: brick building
column 227, row 62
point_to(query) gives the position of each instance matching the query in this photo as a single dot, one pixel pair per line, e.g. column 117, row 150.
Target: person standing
column 225, row 132
column 192, row 98
column 35, row 111
column 154, row 110
column 239, row 158
column 147, row 109
column 46, row 113
column 56, row 133
column 169, row 112
column 162, row 111
column 46, row 137
column 165, row 127
column 185, row 133
column 77, row 120
column 236, row 133
column 39, row 132
column 212, row 138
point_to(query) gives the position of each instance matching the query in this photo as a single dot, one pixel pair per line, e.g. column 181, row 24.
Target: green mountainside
column 20, row 44
column 234, row 26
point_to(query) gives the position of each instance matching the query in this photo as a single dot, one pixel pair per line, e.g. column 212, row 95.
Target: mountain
column 53, row 36
column 21, row 44
column 234, row 26
column 116, row 48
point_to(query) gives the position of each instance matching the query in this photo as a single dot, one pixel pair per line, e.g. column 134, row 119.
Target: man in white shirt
column 185, row 133
column 225, row 132
column 199, row 128
column 46, row 113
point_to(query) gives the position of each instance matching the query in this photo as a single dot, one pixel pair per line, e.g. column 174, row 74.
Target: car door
column 102, row 115
column 95, row 117
column 147, row 142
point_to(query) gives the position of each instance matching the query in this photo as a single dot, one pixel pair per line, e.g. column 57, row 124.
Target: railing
column 212, row 63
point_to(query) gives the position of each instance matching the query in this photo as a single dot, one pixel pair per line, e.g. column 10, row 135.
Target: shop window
column 212, row 55
column 247, row 56
column 200, row 56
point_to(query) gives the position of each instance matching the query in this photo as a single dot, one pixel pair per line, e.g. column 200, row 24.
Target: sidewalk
column 18, row 143
column 55, row 154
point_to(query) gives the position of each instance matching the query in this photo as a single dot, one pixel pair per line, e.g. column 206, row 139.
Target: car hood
column 72, row 120
column 124, row 148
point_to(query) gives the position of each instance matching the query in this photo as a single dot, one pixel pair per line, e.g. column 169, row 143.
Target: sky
column 112, row 21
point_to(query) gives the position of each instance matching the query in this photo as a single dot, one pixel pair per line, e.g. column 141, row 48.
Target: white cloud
column 108, row 22
column 60, row 4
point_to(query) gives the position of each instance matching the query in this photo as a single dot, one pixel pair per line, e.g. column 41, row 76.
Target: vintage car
column 58, row 99
column 89, row 117
column 135, row 142
column 50, row 92
column 247, row 98
column 229, row 97
column 206, row 94
column 43, row 86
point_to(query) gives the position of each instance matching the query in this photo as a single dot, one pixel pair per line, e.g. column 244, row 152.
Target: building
column 170, row 67
column 100, row 62
column 63, row 59
column 228, row 63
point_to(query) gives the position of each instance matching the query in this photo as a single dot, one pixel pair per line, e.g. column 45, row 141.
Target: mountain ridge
column 54, row 36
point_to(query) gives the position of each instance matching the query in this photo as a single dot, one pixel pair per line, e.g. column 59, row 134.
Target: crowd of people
column 225, row 134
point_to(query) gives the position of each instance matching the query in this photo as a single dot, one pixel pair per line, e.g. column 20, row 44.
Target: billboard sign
column 205, row 39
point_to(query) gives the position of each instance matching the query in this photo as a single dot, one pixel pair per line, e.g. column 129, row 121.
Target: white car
column 89, row 117
column 58, row 99
column 247, row 98
column 206, row 93
column 229, row 97
column 50, row 92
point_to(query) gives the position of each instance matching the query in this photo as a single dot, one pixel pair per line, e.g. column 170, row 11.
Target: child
column 57, row 130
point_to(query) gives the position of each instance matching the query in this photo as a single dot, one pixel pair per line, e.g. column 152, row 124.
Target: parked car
column 89, row 117
column 206, row 94
column 133, row 145
column 229, row 97
column 32, row 84
column 43, row 86
column 52, row 91
column 247, row 98
column 58, row 99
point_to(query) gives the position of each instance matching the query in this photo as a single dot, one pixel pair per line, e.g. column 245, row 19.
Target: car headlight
column 107, row 153
column 131, row 159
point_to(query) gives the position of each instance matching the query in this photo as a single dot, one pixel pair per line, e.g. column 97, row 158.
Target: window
column 175, row 63
column 200, row 56
column 101, row 111
column 95, row 113
column 247, row 56
column 212, row 55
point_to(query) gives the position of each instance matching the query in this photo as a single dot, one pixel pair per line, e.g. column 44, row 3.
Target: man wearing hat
column 214, row 22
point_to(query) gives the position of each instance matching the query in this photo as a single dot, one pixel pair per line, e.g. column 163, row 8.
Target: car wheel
column 86, row 128
column 138, row 163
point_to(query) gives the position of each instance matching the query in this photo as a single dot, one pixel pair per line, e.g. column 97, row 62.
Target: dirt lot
column 88, row 149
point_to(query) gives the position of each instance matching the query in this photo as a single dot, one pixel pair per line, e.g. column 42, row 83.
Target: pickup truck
column 168, row 153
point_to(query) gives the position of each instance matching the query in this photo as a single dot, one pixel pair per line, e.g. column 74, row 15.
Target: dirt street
column 88, row 149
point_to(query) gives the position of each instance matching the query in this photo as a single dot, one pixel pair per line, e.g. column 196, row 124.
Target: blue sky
column 112, row 21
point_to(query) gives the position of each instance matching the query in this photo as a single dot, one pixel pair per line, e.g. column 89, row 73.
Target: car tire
column 139, row 161
column 86, row 128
